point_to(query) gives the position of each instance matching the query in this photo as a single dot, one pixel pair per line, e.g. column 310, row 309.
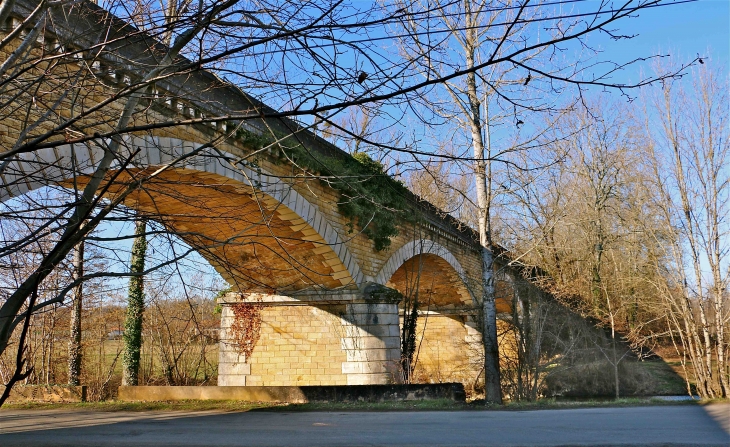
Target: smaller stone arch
column 412, row 248
column 446, row 333
column 430, row 250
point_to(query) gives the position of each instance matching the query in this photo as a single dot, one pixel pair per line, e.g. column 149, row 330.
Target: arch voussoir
column 59, row 165
column 425, row 248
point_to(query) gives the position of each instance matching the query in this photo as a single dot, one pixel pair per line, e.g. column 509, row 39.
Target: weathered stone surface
column 238, row 368
column 310, row 345
column 231, row 380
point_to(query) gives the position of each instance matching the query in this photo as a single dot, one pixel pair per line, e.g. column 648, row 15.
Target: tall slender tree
column 74, row 344
column 691, row 149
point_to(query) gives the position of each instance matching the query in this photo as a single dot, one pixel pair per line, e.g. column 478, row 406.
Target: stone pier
column 315, row 338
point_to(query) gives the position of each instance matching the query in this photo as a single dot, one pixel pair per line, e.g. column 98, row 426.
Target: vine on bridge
column 369, row 197
column 246, row 327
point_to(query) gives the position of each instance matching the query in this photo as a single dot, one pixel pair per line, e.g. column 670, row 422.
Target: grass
column 423, row 405
column 666, row 379
column 103, row 358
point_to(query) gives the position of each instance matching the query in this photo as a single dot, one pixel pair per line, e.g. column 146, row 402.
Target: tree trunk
column 615, row 371
column 482, row 175
column 616, row 360
column 493, row 388
column 135, row 309
column 74, row 344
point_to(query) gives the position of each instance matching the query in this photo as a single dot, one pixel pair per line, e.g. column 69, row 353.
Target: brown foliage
column 246, row 327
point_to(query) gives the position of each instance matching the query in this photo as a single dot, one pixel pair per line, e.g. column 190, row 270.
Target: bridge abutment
column 318, row 338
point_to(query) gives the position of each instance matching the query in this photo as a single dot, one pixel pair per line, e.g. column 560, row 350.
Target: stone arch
column 431, row 253
column 448, row 341
column 60, row 164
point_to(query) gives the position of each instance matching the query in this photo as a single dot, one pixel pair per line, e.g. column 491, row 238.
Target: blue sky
column 683, row 30
column 690, row 27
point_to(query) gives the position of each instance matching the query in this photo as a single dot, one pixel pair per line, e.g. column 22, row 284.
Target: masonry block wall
column 299, row 345
column 449, row 349
column 328, row 344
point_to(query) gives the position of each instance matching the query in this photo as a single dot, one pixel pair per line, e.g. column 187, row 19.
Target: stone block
column 364, row 343
column 317, row 223
column 322, row 249
column 230, row 356
column 391, row 342
column 370, row 355
column 230, row 380
column 368, row 379
column 362, row 367
column 394, row 330
column 343, row 274
column 225, row 368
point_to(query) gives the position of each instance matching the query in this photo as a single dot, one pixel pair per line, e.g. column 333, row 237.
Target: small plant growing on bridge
column 373, row 200
column 369, row 197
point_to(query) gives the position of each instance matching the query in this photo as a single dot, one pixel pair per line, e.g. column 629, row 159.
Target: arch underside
column 430, row 270
column 254, row 229
column 438, row 285
column 254, row 242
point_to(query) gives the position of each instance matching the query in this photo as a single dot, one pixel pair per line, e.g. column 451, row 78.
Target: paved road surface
column 655, row 426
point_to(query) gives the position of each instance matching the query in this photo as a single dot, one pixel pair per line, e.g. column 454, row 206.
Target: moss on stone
column 370, row 199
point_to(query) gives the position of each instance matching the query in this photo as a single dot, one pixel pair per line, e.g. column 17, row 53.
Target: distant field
column 152, row 367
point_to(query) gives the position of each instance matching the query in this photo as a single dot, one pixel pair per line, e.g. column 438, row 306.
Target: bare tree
column 510, row 76
column 692, row 154
column 99, row 82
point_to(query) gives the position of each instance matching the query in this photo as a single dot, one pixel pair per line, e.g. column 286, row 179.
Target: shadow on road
column 665, row 425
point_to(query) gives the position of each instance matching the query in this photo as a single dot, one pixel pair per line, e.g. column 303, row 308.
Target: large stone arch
column 309, row 232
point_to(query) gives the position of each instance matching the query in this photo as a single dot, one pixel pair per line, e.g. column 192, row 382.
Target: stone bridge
column 270, row 226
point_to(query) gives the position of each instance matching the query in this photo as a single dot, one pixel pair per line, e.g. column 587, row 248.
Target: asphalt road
column 654, row 426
